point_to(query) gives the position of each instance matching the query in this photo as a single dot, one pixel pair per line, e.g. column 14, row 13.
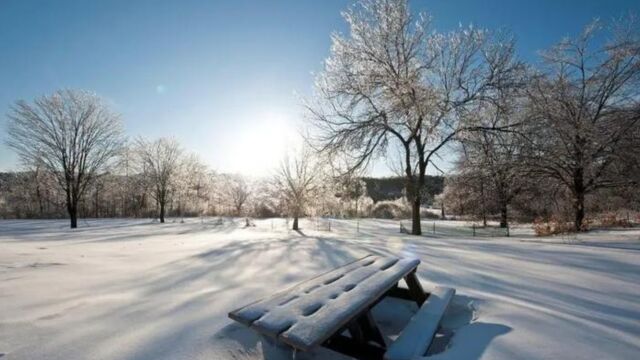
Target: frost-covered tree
column 72, row 134
column 351, row 189
column 191, row 188
column 296, row 181
column 394, row 82
column 585, row 102
column 159, row 163
column 237, row 191
column 492, row 164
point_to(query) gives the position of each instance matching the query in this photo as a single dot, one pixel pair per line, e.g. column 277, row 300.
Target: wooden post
column 473, row 226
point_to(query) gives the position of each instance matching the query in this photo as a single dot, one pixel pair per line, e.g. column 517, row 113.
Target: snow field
column 133, row 289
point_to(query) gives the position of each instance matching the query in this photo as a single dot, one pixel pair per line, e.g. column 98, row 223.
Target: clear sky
column 223, row 77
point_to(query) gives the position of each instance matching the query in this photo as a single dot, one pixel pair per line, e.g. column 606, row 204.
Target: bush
column 390, row 210
column 426, row 214
column 612, row 220
column 262, row 211
column 553, row 226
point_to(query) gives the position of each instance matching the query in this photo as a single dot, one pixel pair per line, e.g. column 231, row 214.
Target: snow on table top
column 310, row 312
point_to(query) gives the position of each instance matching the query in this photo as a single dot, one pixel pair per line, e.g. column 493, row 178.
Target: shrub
column 262, row 211
column 426, row 214
column 612, row 220
column 390, row 210
column 553, row 226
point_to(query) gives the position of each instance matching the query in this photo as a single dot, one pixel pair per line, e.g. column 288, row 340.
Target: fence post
column 473, row 226
column 434, row 227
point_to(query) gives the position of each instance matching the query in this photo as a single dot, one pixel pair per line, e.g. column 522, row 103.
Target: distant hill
column 391, row 188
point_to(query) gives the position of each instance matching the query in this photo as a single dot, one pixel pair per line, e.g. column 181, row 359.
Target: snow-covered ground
column 133, row 289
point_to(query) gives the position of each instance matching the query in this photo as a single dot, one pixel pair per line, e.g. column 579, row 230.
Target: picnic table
column 318, row 311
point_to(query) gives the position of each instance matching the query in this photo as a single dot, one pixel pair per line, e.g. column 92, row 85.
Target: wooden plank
column 250, row 312
column 415, row 339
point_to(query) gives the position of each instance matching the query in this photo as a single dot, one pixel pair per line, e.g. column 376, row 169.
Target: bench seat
column 415, row 339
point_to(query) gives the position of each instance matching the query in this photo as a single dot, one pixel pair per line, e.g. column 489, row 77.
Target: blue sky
column 223, row 77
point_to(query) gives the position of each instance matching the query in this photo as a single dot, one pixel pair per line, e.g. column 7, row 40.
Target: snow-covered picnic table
column 317, row 311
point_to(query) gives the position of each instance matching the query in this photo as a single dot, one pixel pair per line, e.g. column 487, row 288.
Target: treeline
column 195, row 190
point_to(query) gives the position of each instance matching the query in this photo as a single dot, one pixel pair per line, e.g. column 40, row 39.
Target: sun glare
column 262, row 145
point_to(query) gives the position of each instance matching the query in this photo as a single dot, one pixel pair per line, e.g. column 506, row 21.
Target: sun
column 262, row 145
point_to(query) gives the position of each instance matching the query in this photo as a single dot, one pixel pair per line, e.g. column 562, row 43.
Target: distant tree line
column 392, row 188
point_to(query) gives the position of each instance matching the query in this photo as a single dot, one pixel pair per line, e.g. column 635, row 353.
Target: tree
column 72, row 134
column 493, row 162
column 296, row 180
column 160, row 161
column 237, row 191
column 352, row 189
column 394, row 82
column 585, row 103
column 189, row 185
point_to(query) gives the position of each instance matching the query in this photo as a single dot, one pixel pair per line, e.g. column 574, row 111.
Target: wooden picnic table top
column 309, row 313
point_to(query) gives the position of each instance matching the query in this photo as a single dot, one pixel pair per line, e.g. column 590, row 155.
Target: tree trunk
column 39, row 197
column 73, row 215
column 579, row 211
column 442, row 214
column 295, row 223
column 162, row 211
column 504, row 216
column 72, row 209
column 579, row 194
column 95, row 203
column 484, row 210
column 416, row 228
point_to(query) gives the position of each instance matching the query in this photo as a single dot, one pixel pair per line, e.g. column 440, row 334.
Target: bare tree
column 586, row 104
column 351, row 189
column 296, row 180
column 394, row 82
column 237, row 191
column 493, row 162
column 190, row 185
column 160, row 162
column 72, row 133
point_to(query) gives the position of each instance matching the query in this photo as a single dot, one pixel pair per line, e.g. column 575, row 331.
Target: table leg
column 415, row 289
column 275, row 350
column 370, row 329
